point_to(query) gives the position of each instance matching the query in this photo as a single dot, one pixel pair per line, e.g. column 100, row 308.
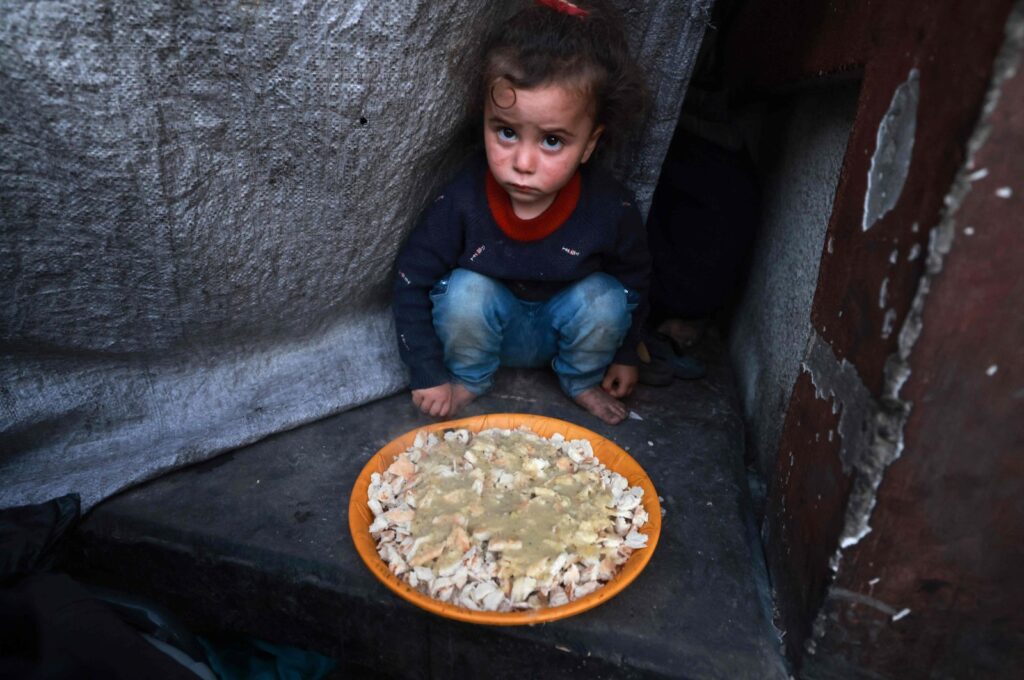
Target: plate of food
column 504, row 519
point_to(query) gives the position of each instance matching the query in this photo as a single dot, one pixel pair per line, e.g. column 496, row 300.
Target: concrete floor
column 256, row 542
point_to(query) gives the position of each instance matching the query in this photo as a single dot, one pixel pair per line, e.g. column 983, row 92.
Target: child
column 530, row 256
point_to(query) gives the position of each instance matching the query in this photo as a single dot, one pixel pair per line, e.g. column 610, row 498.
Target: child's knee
column 468, row 305
column 466, row 293
column 603, row 301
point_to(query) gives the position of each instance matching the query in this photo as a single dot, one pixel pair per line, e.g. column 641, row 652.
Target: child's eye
column 552, row 142
column 506, row 134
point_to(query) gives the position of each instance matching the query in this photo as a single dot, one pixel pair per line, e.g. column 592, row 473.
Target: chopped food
column 504, row 520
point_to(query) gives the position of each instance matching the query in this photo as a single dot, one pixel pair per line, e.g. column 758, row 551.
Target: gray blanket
column 201, row 204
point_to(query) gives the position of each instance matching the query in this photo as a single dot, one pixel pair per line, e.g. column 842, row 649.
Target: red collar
column 540, row 226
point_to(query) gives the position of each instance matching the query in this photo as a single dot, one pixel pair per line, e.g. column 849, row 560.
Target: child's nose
column 525, row 159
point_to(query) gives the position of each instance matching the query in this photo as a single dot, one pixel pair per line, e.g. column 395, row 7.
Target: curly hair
column 539, row 46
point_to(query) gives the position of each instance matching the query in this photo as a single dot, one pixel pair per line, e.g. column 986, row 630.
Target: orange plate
column 360, row 517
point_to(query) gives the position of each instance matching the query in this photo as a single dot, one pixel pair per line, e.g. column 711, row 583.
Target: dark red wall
column 935, row 545
column 947, row 538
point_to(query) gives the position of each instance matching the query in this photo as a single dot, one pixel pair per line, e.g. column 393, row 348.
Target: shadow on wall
column 799, row 142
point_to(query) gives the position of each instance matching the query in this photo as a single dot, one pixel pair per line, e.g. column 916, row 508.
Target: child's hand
column 434, row 401
column 619, row 380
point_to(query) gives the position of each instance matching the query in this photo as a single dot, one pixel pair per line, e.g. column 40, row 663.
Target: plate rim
column 365, row 545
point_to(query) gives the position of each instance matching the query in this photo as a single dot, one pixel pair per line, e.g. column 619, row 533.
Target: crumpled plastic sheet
column 201, row 204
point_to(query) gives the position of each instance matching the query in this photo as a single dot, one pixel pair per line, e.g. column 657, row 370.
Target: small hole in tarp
column 362, row 120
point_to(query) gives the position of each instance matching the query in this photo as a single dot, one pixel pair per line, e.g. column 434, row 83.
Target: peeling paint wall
column 893, row 518
column 804, row 140
column 939, row 571
column 894, row 147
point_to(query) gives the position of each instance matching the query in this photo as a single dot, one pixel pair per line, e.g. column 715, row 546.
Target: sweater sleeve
column 431, row 251
column 630, row 263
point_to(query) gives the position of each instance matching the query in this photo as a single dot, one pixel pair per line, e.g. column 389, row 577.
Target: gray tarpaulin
column 201, row 204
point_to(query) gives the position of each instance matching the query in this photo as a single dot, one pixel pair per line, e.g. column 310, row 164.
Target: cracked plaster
column 891, row 413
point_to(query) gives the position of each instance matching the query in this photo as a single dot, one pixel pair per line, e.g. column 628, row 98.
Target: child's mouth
column 522, row 189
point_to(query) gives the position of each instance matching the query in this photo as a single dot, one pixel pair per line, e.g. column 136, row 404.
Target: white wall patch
column 894, row 146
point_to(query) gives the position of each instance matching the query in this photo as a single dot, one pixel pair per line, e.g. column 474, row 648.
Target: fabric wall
column 200, row 207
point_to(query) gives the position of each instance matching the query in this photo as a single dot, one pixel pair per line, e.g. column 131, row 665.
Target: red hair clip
column 565, row 7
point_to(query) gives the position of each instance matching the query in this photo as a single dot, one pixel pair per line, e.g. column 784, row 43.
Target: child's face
column 535, row 145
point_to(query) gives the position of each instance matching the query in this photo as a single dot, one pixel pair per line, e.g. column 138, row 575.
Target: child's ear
column 592, row 143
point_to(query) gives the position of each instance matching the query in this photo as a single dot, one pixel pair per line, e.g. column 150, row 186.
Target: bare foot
column 460, row 397
column 603, row 405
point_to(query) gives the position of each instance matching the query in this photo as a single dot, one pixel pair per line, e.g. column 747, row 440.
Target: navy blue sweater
column 603, row 234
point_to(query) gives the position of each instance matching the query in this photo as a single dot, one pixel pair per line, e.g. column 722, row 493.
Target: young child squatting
column 530, row 256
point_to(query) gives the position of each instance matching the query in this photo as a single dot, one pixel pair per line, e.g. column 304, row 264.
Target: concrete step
column 256, row 542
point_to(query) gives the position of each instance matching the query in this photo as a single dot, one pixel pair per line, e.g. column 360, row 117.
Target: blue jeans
column 483, row 325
